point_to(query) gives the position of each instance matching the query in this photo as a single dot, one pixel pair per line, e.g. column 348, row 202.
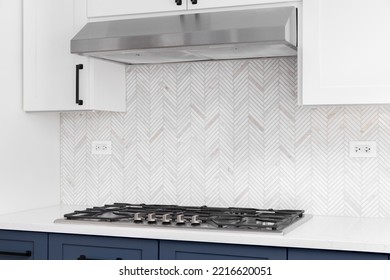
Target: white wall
column 29, row 142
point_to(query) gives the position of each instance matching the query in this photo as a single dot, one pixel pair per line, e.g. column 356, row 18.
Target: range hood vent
column 243, row 34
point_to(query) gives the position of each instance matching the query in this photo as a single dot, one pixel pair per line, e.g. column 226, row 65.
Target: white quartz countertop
column 319, row 232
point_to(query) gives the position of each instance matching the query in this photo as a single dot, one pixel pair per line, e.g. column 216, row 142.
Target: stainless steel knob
column 195, row 220
column 138, row 218
column 152, row 218
column 180, row 219
column 166, row 219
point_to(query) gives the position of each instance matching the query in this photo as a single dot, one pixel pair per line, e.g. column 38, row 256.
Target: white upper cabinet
column 49, row 69
column 207, row 4
column 100, row 8
column 345, row 52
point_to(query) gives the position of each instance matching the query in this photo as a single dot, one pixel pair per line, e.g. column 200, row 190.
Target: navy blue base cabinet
column 313, row 254
column 87, row 247
column 21, row 245
column 179, row 250
column 25, row 245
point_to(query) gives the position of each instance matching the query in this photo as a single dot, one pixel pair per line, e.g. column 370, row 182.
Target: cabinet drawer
column 20, row 245
column 82, row 247
column 177, row 250
column 313, row 254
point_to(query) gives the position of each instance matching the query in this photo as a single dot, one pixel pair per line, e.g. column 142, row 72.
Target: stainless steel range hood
column 192, row 37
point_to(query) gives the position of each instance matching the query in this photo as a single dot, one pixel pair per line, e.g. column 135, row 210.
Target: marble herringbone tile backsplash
column 227, row 134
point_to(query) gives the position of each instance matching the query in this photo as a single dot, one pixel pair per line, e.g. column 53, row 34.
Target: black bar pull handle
column 78, row 68
column 194, row 2
column 179, row 2
column 26, row 254
column 84, row 258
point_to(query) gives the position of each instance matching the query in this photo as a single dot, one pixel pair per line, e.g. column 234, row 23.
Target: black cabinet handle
column 26, row 254
column 194, row 2
column 179, row 2
column 84, row 258
column 78, row 68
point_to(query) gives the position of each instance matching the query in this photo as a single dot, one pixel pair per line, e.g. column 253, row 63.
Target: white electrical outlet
column 363, row 149
column 101, row 148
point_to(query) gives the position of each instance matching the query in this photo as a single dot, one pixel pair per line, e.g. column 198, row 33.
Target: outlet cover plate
column 363, row 149
column 101, row 148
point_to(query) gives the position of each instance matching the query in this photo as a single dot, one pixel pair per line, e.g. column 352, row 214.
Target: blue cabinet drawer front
column 313, row 254
column 19, row 245
column 177, row 250
column 73, row 247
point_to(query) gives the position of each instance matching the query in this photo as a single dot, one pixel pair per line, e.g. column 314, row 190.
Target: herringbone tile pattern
column 227, row 134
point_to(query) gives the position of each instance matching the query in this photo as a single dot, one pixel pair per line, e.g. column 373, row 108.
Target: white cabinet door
column 49, row 70
column 48, row 66
column 206, row 4
column 100, row 8
column 345, row 52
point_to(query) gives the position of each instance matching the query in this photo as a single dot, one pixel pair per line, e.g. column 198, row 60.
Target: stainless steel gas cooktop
column 231, row 218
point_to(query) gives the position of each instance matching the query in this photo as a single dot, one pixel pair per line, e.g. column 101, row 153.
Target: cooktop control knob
column 166, row 219
column 138, row 218
column 152, row 218
column 180, row 219
column 195, row 220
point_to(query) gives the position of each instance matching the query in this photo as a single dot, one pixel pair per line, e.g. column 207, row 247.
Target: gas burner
column 232, row 218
